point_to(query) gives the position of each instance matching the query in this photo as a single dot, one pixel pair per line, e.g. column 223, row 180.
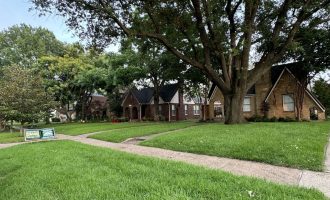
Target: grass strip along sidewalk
column 70, row 170
column 11, row 137
column 84, row 128
column 298, row 145
column 121, row 135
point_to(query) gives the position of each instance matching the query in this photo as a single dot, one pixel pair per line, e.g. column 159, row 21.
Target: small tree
column 322, row 90
column 22, row 96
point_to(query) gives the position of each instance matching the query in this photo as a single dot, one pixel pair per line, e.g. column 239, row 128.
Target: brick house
column 173, row 104
column 277, row 89
column 98, row 109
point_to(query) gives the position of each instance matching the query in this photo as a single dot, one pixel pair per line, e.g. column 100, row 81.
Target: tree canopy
column 22, row 96
column 22, row 45
column 223, row 39
column 322, row 90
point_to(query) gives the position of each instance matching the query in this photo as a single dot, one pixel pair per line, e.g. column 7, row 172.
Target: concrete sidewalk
column 2, row 146
column 284, row 175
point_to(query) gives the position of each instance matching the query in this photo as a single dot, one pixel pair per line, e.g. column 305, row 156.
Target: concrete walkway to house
column 283, row 175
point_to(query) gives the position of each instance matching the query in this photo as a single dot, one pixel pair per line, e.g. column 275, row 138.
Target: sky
column 13, row 12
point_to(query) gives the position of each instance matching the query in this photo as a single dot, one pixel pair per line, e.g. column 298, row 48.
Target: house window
column 196, row 110
column 288, row 103
column 186, row 109
column 70, row 106
column 247, row 104
column 173, row 110
column 160, row 109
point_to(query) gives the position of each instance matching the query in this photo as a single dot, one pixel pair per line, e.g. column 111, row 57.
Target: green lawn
column 70, row 170
column 123, row 134
column 83, row 128
column 299, row 145
column 11, row 137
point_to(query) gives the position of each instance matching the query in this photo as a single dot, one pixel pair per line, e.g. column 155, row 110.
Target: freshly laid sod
column 123, row 134
column 70, row 170
column 83, row 128
column 11, row 137
column 299, row 145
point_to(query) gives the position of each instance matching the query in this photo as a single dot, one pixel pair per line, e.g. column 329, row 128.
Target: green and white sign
column 35, row 134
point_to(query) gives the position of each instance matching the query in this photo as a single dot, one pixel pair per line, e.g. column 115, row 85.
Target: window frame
column 185, row 109
column 173, row 111
column 197, row 110
column 286, row 103
column 160, row 109
column 245, row 104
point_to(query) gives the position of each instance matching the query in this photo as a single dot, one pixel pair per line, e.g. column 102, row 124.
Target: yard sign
column 34, row 134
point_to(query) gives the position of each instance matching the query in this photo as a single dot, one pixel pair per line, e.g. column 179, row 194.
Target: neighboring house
column 98, row 109
column 276, row 90
column 173, row 104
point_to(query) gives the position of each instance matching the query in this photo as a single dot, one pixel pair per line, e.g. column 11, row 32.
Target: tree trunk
column 22, row 129
column 156, row 104
column 11, row 125
column 233, row 109
column 83, row 108
column 299, row 98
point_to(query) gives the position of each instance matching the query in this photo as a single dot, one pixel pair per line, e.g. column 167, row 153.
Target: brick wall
column 288, row 85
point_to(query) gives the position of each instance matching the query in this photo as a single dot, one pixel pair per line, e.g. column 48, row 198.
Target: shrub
column 286, row 119
column 273, row 119
column 55, row 119
column 122, row 119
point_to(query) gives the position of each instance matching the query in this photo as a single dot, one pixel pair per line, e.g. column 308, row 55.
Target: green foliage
column 322, row 91
column 313, row 49
column 22, row 96
column 222, row 39
column 23, row 45
column 258, row 118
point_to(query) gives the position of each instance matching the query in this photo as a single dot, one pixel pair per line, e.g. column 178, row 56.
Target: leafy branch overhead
column 223, row 39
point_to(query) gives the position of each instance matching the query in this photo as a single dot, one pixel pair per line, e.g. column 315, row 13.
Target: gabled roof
column 145, row 95
column 251, row 91
column 298, row 74
column 295, row 68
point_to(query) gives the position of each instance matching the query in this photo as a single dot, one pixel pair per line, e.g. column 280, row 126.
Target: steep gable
column 145, row 95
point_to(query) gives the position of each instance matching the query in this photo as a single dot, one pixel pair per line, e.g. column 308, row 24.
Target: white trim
column 307, row 91
column 173, row 114
column 186, row 109
column 122, row 104
column 213, row 93
column 278, row 80
column 247, row 97
column 285, row 108
column 198, row 110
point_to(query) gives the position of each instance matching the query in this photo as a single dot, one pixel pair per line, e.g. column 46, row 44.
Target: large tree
column 23, row 45
column 22, row 96
column 223, row 39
